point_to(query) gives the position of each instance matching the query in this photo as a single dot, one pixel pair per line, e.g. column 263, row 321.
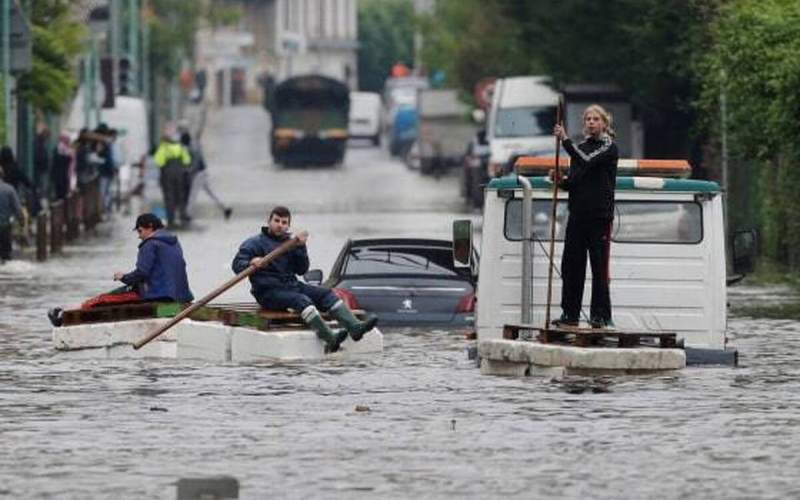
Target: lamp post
column 98, row 26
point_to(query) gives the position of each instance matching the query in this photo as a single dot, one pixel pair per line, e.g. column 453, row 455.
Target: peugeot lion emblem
column 407, row 304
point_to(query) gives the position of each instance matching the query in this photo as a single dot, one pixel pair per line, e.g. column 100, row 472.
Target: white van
column 365, row 116
column 521, row 120
column 668, row 256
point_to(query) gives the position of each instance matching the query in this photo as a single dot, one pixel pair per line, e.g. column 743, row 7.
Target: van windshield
column 525, row 122
column 634, row 221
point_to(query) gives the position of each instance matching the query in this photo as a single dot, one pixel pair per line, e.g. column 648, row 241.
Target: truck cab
column 668, row 252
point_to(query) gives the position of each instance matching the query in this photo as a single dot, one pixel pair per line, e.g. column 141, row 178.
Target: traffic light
column 124, row 66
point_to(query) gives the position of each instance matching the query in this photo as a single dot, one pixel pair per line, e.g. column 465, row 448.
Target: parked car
column 474, row 172
column 365, row 116
column 404, row 281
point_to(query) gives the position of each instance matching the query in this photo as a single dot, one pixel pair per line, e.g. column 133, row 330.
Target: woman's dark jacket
column 279, row 273
column 592, row 177
column 160, row 269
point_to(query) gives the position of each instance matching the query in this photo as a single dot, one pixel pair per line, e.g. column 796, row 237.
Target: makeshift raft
column 216, row 332
column 579, row 350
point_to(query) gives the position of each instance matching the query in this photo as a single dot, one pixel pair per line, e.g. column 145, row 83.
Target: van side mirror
column 462, row 243
column 313, row 277
column 744, row 245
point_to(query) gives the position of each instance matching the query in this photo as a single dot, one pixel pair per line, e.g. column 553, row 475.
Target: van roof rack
column 675, row 169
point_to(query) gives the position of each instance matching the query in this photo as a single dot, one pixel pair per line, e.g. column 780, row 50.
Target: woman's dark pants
column 590, row 237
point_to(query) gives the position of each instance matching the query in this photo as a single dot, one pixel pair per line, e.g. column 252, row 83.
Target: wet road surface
column 435, row 427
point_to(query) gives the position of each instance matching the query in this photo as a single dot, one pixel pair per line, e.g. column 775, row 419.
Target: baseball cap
column 148, row 220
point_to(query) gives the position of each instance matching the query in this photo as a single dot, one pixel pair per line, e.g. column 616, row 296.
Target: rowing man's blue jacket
column 280, row 272
column 160, row 269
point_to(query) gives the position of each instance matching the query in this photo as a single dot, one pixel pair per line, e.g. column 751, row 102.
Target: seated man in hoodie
column 159, row 275
column 275, row 286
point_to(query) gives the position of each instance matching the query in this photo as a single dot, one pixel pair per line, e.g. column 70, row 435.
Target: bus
column 309, row 121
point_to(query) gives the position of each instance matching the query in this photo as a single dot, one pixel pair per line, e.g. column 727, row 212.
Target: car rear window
column 400, row 260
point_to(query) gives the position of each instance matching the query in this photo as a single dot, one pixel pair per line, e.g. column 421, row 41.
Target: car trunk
column 409, row 300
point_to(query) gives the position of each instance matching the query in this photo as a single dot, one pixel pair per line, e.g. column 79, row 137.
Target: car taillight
column 347, row 297
column 466, row 304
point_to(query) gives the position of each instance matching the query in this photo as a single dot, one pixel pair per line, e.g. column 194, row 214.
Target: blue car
column 404, row 281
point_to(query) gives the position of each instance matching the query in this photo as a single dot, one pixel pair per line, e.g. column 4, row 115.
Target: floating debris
column 363, row 408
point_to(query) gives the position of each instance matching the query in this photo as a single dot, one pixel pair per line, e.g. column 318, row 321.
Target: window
column 634, row 222
column 525, row 122
column 400, row 260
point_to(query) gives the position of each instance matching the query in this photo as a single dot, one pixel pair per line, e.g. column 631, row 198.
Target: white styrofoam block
column 203, row 340
column 285, row 345
column 108, row 334
column 592, row 358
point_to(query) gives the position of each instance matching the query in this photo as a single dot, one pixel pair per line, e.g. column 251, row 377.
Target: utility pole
column 5, row 17
column 133, row 45
column 114, row 42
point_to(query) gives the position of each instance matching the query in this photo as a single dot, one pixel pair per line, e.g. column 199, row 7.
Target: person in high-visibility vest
column 173, row 162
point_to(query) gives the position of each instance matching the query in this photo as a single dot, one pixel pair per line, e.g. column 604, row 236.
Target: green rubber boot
column 346, row 318
column 333, row 338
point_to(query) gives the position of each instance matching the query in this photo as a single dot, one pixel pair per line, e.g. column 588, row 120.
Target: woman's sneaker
column 564, row 321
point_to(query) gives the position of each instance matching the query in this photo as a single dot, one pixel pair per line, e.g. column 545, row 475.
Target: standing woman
column 591, row 182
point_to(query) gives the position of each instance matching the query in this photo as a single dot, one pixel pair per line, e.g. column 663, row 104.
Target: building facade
column 280, row 39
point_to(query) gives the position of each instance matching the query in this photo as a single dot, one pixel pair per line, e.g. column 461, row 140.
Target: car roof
column 422, row 242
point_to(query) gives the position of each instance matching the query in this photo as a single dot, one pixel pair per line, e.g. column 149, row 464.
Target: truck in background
column 444, row 131
column 521, row 120
column 400, row 112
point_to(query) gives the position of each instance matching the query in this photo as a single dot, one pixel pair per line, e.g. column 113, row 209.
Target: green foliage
column 385, row 36
column 172, row 28
column 57, row 40
column 756, row 63
column 474, row 39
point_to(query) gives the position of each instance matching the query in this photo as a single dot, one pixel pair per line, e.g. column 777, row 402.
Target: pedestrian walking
column 173, row 162
column 108, row 164
column 10, row 208
column 590, row 183
column 159, row 275
column 276, row 286
column 199, row 179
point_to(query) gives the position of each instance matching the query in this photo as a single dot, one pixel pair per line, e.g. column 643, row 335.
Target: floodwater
column 435, row 428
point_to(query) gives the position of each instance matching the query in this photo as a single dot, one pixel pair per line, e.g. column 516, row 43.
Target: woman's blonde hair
column 604, row 115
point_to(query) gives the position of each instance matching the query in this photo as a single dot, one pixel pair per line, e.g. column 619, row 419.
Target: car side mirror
column 462, row 243
column 313, row 277
column 744, row 244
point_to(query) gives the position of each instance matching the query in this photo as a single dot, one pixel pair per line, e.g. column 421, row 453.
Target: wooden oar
column 263, row 261
column 556, row 180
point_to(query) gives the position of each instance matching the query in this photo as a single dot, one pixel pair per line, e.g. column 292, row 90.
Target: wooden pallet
column 595, row 337
column 236, row 314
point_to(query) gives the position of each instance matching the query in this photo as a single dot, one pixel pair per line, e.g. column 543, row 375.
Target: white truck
column 521, row 120
column 445, row 129
column 668, row 255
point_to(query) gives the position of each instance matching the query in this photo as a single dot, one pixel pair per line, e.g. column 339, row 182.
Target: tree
column 57, row 41
column 756, row 65
column 385, row 36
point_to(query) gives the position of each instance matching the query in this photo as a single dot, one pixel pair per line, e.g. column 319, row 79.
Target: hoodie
column 160, row 269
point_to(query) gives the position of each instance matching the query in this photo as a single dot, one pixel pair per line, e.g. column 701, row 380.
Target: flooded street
column 435, row 428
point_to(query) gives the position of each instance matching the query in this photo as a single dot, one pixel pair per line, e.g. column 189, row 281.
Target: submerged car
column 404, row 281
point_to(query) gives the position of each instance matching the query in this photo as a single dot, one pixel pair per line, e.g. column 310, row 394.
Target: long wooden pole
column 556, row 180
column 285, row 247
